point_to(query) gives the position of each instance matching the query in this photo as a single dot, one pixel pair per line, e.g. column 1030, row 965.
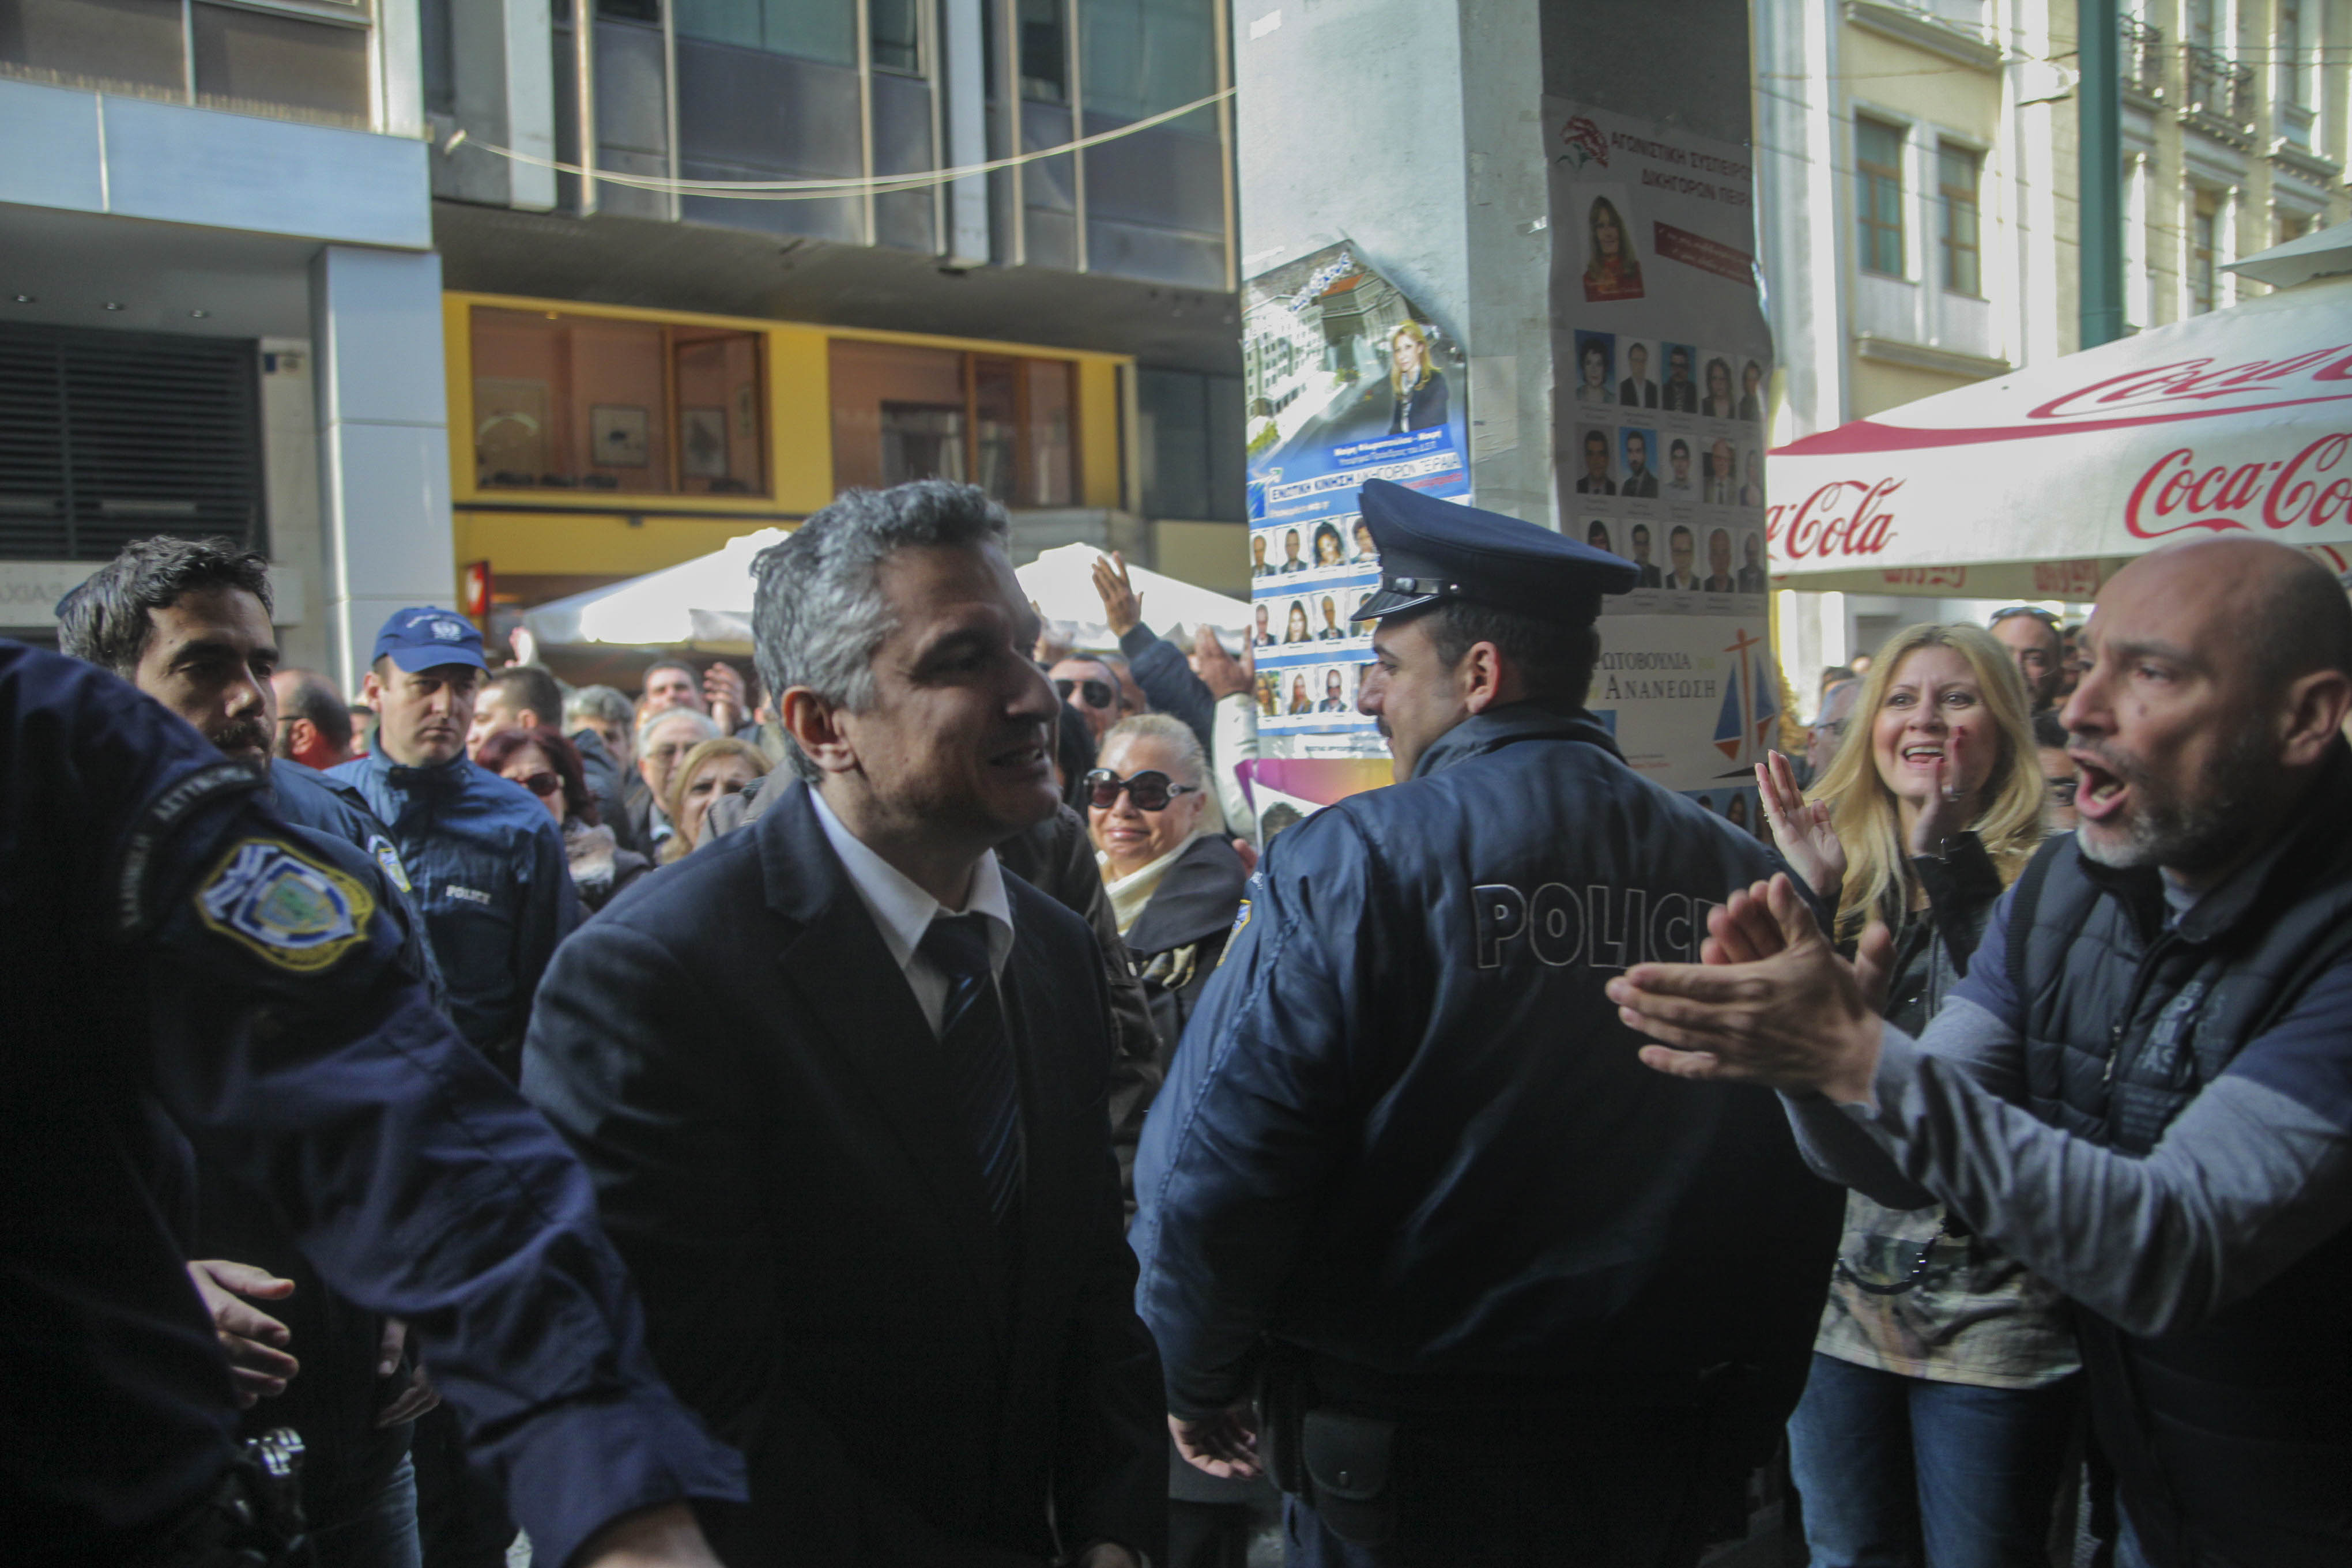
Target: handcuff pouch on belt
column 1337, row 1461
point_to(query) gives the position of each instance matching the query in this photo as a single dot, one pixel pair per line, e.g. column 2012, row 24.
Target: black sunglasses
column 1096, row 693
column 1149, row 789
column 540, row 784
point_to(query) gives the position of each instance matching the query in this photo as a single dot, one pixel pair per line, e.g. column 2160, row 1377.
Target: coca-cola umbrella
column 2043, row 483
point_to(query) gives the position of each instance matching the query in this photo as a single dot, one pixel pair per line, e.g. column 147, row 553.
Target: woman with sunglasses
column 1175, row 885
column 711, row 771
column 1934, row 1425
column 546, row 763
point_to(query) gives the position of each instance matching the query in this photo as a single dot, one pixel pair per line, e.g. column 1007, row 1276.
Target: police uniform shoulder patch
column 389, row 858
column 1241, row 919
column 285, row 907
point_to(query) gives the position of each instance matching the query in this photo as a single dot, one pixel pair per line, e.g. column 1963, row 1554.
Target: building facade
column 1918, row 202
column 308, row 272
column 219, row 304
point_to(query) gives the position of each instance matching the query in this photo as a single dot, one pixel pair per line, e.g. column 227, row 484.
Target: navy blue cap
column 421, row 637
column 1433, row 552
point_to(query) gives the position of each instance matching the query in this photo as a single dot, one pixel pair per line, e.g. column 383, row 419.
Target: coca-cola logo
column 2307, row 491
column 1844, row 517
column 2196, row 383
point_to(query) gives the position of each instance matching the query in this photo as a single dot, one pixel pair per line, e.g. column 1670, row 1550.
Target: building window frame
column 1962, row 255
column 1879, row 197
column 2201, row 240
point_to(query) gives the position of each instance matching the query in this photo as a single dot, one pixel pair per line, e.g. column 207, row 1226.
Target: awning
column 706, row 604
column 2042, row 484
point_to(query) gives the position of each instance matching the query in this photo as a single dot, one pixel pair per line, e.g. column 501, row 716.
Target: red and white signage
column 2238, row 421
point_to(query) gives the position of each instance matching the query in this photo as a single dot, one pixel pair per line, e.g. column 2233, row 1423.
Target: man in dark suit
column 1595, row 481
column 1651, row 576
column 1637, row 390
column 1681, row 392
column 841, row 1082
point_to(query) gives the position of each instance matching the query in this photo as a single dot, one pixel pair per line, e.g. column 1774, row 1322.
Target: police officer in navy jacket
column 485, row 859
column 171, row 949
column 1414, row 1231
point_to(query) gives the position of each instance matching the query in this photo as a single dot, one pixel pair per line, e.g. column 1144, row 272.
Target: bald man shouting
column 2143, row 1088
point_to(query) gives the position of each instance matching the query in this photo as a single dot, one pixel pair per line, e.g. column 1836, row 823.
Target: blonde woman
column 1934, row 1425
column 705, row 775
column 1419, row 386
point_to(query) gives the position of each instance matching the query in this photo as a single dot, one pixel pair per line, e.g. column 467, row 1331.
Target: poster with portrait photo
column 1595, row 446
column 1638, row 370
column 1718, row 573
column 1754, row 378
column 1329, row 616
column 1596, row 368
column 1335, row 690
column 1295, row 621
column 1754, row 577
column 1637, row 463
column 1719, row 476
column 1678, row 383
column 1606, row 225
column 1679, row 483
column 1718, row 384
column 1600, row 535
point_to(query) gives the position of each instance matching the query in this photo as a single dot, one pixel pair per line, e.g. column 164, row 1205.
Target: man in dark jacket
column 841, row 1083
column 1406, row 1183
column 2143, row 1090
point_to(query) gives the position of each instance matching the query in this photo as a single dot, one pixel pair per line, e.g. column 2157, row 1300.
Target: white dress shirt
column 903, row 912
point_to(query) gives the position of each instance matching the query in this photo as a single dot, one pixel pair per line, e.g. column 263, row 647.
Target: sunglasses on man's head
column 1094, row 693
column 542, row 784
column 1149, row 789
column 2044, row 616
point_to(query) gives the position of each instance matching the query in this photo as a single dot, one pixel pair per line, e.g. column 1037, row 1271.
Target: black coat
column 778, row 1155
column 1181, row 934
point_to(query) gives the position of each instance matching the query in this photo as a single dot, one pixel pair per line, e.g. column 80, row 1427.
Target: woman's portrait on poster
column 1613, row 271
column 1419, row 385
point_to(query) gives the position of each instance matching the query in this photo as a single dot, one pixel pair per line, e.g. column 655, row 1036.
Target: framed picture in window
column 702, row 443
column 619, row 432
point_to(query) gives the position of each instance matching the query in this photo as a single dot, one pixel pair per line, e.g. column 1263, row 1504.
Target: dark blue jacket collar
column 1492, row 731
column 455, row 773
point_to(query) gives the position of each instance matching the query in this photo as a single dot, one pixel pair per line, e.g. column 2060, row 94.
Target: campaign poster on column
column 1659, row 331
column 1345, row 380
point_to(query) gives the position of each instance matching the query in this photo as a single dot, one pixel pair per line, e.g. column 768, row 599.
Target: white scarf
column 1129, row 894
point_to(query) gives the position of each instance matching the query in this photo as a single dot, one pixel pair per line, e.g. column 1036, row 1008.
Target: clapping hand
column 1801, row 828
column 722, row 688
column 254, row 1341
column 1948, row 808
column 1220, row 671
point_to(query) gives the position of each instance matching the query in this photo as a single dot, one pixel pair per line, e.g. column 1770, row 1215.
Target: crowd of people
column 1012, row 1167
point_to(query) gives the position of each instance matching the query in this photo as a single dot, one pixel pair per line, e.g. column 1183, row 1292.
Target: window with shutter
column 106, row 437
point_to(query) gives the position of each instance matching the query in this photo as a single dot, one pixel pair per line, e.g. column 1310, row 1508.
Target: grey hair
column 1192, row 761
column 704, row 730
column 601, row 703
column 818, row 615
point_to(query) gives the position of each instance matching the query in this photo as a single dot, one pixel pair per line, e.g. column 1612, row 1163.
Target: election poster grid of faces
column 1660, row 434
column 1345, row 380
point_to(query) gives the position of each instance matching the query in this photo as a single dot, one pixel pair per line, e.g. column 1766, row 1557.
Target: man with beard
column 188, row 623
column 2143, row 1087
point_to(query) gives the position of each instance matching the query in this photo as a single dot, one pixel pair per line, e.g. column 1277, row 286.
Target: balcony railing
column 2220, row 95
column 2142, row 59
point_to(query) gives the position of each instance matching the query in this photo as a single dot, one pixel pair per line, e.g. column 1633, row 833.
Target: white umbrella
column 705, row 604
column 2043, row 483
column 1061, row 584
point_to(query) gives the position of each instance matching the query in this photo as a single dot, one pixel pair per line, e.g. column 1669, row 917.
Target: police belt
column 1593, row 1389
column 253, row 1518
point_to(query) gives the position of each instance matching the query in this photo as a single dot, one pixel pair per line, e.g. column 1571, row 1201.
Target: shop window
column 583, row 402
column 1958, row 169
column 1007, row 424
column 1878, row 196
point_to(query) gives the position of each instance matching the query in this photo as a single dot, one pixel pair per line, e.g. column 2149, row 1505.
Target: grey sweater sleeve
column 2246, row 1180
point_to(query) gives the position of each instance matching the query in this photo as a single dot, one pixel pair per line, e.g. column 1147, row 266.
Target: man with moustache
column 2143, row 1087
column 1415, row 1237
column 187, row 622
column 841, row 1081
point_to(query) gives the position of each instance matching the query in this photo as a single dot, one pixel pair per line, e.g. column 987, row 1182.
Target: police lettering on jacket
column 1602, row 928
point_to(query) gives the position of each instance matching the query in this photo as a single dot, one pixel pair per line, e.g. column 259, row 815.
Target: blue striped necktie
column 979, row 1055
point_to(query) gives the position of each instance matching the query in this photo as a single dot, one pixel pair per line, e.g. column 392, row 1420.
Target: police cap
column 1433, row 552
column 425, row 637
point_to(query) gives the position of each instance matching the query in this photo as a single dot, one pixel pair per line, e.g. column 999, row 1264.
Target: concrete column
column 383, row 443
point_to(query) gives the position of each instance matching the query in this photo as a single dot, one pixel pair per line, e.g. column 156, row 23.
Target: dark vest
column 2233, row 1440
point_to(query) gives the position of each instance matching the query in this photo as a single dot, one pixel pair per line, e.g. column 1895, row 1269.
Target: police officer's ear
column 1485, row 678
column 814, row 726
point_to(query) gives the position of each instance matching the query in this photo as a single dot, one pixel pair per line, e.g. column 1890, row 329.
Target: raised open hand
column 1801, row 828
column 1122, row 605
